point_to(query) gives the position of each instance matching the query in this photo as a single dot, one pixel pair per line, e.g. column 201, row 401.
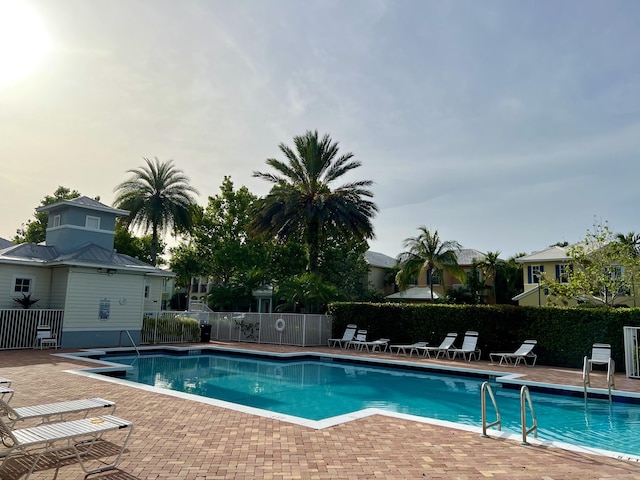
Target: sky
column 505, row 125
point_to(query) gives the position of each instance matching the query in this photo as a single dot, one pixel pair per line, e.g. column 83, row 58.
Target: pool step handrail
column 130, row 338
column 525, row 399
column 586, row 376
column 486, row 389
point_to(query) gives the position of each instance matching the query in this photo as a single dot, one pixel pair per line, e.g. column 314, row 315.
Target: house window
column 56, row 221
column 615, row 272
column 473, row 276
column 562, row 273
column 147, row 291
column 23, row 285
column 92, row 223
column 433, row 277
column 534, row 273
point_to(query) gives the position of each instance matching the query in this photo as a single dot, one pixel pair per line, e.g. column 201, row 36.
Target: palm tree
column 490, row 266
column 427, row 253
column 630, row 244
column 157, row 196
column 302, row 205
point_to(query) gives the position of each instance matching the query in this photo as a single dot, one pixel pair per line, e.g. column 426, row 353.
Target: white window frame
column 147, row 292
column 56, row 221
column 14, row 284
column 435, row 278
column 90, row 220
column 536, row 274
column 563, row 273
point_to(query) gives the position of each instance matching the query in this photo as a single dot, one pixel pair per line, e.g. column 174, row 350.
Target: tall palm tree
column 301, row 203
column 158, row 196
column 427, row 253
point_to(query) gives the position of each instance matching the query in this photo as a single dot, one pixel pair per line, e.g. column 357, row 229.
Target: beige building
column 553, row 262
column 421, row 292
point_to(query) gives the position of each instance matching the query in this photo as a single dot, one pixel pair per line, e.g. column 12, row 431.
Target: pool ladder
column 525, row 400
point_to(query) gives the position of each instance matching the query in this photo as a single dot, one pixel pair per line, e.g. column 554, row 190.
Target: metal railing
column 18, row 327
column 169, row 327
column 278, row 328
column 486, row 389
column 525, row 399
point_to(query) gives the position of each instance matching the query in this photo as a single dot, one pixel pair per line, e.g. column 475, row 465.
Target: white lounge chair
column 380, row 345
column 359, row 338
column 442, row 349
column 6, row 392
column 5, row 382
column 53, row 412
column 411, row 348
column 348, row 335
column 469, row 347
column 520, row 355
column 77, row 436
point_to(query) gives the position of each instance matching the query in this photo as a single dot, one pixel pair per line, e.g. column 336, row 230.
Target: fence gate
column 631, row 351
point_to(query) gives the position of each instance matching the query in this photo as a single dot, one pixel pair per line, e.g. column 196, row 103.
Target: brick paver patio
column 185, row 440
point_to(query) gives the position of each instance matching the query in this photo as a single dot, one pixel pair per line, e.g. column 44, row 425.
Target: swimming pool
column 318, row 388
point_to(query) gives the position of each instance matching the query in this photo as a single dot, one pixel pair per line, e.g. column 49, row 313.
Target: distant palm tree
column 158, row 196
column 631, row 244
column 301, row 203
column 427, row 253
column 490, row 266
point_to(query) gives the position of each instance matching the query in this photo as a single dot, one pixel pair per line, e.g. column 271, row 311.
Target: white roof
column 553, row 253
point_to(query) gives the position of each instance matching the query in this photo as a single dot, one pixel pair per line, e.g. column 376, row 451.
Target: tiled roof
column 552, row 253
column 466, row 256
column 376, row 259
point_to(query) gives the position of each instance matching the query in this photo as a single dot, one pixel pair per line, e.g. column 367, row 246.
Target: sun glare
column 23, row 41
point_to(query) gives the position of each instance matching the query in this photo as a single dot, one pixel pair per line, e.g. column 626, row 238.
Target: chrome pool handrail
column 486, row 388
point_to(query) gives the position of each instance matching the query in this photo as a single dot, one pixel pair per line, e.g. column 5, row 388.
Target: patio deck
column 180, row 439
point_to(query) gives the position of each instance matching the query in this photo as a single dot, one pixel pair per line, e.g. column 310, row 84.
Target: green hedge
column 564, row 335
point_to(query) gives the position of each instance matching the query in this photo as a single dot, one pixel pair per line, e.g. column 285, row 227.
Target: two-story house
column 553, row 262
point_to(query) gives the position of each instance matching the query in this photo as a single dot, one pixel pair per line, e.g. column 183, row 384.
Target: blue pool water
column 318, row 389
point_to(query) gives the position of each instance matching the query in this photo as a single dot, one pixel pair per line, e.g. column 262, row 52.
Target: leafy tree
column 302, row 205
column 307, row 292
column 137, row 247
column 427, row 253
column 221, row 237
column 344, row 266
column 158, row 196
column 597, row 273
column 186, row 263
column 35, row 231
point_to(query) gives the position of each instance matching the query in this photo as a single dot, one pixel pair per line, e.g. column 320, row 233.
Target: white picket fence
column 18, row 326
